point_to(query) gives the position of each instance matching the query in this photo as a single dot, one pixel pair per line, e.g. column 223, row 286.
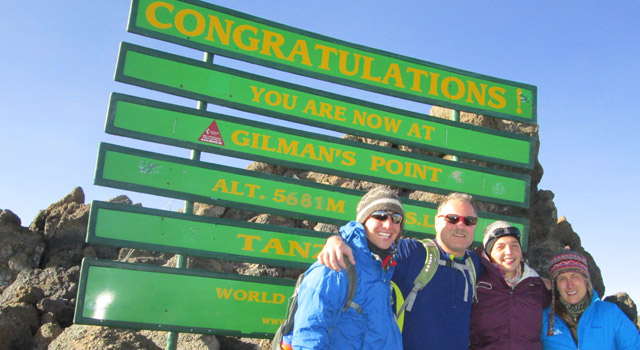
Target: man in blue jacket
column 320, row 320
column 441, row 312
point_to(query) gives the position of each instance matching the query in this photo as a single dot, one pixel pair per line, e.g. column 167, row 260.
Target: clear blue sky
column 58, row 60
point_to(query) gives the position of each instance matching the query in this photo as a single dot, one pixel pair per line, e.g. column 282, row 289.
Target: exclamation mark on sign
column 519, row 98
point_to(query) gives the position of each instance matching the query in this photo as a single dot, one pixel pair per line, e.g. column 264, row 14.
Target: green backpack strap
column 426, row 274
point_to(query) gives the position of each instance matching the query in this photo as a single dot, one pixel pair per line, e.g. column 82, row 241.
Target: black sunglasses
column 454, row 219
column 506, row 231
column 382, row 215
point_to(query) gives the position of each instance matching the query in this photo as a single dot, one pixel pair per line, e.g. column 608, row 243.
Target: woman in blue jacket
column 577, row 318
column 320, row 321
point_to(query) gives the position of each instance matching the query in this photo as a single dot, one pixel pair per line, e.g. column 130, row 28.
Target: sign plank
column 293, row 148
column 165, row 231
column 151, row 297
column 163, row 175
column 211, row 28
column 201, row 81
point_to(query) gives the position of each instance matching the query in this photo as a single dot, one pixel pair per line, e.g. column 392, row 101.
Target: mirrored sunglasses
column 382, row 215
column 454, row 219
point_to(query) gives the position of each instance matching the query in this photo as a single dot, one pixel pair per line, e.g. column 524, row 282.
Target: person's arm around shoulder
column 333, row 252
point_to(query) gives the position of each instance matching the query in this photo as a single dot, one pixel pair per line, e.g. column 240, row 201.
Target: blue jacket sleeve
column 321, row 297
column 627, row 336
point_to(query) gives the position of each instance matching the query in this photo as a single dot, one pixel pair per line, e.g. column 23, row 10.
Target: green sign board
column 180, row 178
column 202, row 81
column 165, row 231
column 151, row 297
column 229, row 33
column 155, row 121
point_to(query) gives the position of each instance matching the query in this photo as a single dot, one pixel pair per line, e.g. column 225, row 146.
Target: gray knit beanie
column 496, row 230
column 378, row 198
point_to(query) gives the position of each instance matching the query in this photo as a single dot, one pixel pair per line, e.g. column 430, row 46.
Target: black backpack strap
column 351, row 291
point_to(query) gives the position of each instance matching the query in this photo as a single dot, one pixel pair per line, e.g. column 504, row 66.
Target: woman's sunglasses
column 382, row 215
column 454, row 219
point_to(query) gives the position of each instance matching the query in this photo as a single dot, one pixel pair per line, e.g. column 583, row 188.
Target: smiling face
column 572, row 287
column 455, row 238
column 381, row 233
column 507, row 253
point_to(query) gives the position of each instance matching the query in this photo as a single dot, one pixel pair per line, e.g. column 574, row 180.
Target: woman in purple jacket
column 511, row 296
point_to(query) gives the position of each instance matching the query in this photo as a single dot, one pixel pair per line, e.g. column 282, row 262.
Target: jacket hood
column 354, row 233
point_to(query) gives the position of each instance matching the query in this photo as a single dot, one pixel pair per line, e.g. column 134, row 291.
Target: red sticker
column 212, row 135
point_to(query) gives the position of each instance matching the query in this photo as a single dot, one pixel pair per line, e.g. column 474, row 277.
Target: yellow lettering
column 274, row 244
column 476, row 94
column 310, row 107
column 237, row 37
column 447, row 84
column 180, row 20
column 417, row 78
column 409, row 169
column 223, row 35
column 340, row 110
column 221, row 184
column 295, row 246
column 366, row 73
column 248, row 241
column 224, row 293
column 497, row 95
column 252, row 190
column 376, row 162
column 256, row 93
column 240, row 137
column 342, row 65
column 278, row 298
column 251, row 296
column 285, row 148
column 272, row 41
column 348, row 158
column 326, row 55
column 335, row 207
column 300, row 48
column 398, row 166
column 240, row 295
column 268, row 97
column 151, row 14
column 394, row 72
column 410, row 218
column 414, row 131
column 254, row 296
column 433, row 87
column 309, row 151
column 428, row 129
column 234, row 188
column 325, row 110
column 326, row 154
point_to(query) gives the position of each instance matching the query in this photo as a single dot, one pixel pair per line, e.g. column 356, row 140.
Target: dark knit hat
column 378, row 198
column 496, row 230
column 565, row 261
column 568, row 261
